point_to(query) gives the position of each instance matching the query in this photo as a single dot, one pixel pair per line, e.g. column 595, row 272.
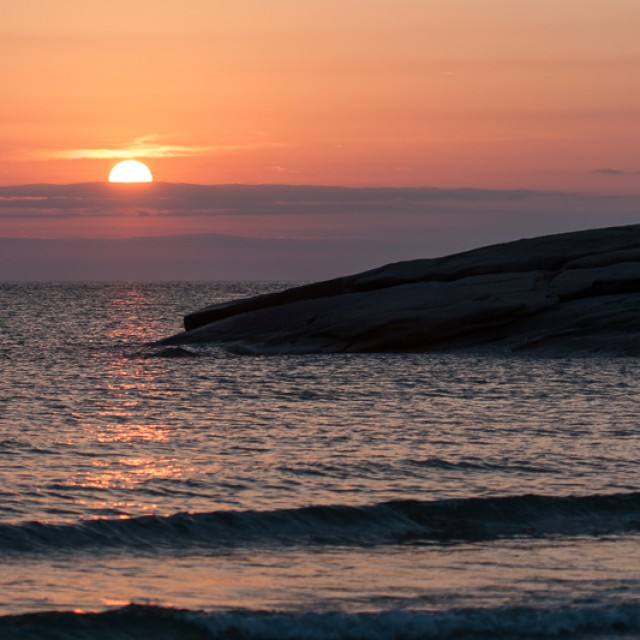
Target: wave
column 401, row 521
column 160, row 623
column 480, row 465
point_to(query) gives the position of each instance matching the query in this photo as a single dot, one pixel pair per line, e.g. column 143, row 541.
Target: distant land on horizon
column 178, row 231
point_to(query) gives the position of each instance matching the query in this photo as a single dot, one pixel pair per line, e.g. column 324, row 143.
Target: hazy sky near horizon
column 535, row 94
column 504, row 97
column 164, row 231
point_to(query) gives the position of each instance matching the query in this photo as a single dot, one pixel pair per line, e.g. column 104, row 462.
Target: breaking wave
column 160, row 623
column 393, row 522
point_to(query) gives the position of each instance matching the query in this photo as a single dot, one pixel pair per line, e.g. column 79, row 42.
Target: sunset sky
column 495, row 94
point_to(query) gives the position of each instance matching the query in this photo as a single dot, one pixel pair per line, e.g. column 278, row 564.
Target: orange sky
column 492, row 93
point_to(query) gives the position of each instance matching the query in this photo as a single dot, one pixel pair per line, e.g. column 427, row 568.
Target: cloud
column 179, row 200
column 615, row 172
column 147, row 147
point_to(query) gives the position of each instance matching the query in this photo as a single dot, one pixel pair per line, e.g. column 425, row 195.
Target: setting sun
column 130, row 171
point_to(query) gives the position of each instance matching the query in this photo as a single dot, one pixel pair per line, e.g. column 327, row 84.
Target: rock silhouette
column 561, row 294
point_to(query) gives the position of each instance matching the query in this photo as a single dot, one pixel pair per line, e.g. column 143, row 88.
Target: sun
column 130, row 171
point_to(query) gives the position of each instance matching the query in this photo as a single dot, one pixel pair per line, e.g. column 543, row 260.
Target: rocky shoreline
column 571, row 293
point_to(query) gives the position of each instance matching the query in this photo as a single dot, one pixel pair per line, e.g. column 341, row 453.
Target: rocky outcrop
column 568, row 293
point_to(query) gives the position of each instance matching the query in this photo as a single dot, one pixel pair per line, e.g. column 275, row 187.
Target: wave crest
column 165, row 623
column 391, row 522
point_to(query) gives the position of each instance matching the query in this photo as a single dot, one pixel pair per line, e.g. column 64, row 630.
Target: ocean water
column 153, row 492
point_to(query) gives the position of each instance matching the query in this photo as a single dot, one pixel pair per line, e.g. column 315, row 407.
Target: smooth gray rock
column 562, row 294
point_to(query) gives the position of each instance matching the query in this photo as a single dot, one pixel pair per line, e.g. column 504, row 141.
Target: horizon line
column 425, row 187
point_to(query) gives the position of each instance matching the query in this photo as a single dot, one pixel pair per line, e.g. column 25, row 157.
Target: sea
column 165, row 492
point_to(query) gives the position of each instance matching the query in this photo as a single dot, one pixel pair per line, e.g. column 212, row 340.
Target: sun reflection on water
column 129, row 432
column 129, row 472
column 133, row 433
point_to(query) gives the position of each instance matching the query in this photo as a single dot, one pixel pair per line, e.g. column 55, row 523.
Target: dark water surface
column 170, row 493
